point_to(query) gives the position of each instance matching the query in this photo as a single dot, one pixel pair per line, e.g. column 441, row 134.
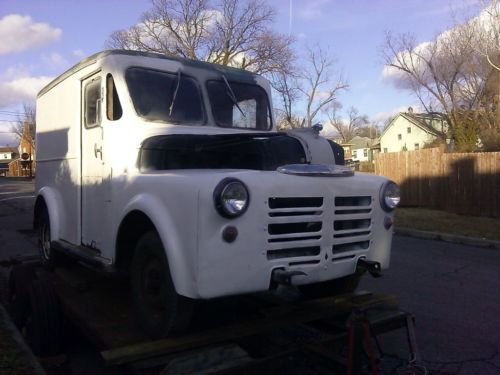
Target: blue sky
column 41, row 39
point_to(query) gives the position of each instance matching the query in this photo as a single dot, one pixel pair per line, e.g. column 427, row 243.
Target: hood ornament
column 316, row 170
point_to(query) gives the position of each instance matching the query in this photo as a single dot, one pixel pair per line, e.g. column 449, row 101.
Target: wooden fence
column 467, row 184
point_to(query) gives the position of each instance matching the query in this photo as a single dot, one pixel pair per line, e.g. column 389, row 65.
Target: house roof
column 8, row 149
column 422, row 120
column 363, row 142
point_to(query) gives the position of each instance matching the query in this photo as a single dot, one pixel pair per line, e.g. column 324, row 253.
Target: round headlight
column 231, row 197
column 390, row 196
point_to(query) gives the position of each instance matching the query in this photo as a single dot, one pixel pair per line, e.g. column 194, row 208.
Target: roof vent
column 410, row 109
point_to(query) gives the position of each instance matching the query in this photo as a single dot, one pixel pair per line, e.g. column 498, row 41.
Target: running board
column 85, row 254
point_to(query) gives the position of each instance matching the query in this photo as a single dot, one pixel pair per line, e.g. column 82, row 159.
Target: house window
column 408, row 130
column 355, row 153
column 365, row 152
column 399, row 137
column 385, row 150
column 417, row 146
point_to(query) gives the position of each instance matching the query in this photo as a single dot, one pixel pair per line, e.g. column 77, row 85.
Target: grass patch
column 444, row 222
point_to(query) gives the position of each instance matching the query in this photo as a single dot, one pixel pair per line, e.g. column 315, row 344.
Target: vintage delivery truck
column 172, row 172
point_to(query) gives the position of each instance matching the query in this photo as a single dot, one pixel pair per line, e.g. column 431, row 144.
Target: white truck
column 172, row 172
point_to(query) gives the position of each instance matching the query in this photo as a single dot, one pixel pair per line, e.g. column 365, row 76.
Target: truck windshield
column 162, row 96
column 239, row 105
column 228, row 151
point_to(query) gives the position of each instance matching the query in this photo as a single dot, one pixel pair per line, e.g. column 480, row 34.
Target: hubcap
column 45, row 240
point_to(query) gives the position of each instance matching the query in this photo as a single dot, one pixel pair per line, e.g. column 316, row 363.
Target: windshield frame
column 183, row 74
column 231, row 83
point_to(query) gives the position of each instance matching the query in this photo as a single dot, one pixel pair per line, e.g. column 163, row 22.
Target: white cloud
column 21, row 89
column 19, row 33
column 486, row 30
column 55, row 60
column 14, row 71
column 8, row 139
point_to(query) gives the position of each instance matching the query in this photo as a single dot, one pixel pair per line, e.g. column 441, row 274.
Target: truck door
column 93, row 197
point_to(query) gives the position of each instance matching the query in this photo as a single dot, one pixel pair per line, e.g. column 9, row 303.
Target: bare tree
column 286, row 87
column 446, row 75
column 26, row 119
column 236, row 33
column 321, row 84
column 347, row 128
column 371, row 131
column 311, row 80
column 483, row 32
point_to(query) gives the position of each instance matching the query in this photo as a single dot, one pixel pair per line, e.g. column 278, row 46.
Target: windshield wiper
column 171, row 107
column 231, row 95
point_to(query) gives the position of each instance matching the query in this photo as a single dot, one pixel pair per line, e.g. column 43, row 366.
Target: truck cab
column 172, row 172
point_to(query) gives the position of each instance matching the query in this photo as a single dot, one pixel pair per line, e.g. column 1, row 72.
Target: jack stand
column 361, row 329
column 359, row 340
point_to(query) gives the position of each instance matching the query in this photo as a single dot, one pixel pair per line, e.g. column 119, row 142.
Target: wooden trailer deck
column 268, row 332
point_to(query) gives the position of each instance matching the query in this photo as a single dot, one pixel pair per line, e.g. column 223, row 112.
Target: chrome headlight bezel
column 223, row 204
column 390, row 196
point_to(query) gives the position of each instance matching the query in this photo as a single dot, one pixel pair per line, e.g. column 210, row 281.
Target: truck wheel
column 44, row 330
column 20, row 280
column 159, row 309
column 48, row 257
column 332, row 288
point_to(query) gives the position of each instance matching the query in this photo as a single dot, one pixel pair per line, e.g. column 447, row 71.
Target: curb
column 463, row 240
column 24, row 350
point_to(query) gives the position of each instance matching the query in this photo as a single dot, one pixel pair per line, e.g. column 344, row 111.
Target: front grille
column 352, row 224
column 295, row 228
column 293, row 252
column 299, row 228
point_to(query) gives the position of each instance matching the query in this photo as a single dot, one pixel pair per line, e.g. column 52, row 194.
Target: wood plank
column 275, row 318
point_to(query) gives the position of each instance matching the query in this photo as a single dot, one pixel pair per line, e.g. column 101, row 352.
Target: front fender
column 56, row 213
column 181, row 260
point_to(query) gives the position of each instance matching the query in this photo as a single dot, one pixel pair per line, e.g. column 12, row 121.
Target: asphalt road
column 452, row 290
column 454, row 293
column 16, row 218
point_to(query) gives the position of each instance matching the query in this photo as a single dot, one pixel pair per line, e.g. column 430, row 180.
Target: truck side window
column 93, row 103
column 113, row 106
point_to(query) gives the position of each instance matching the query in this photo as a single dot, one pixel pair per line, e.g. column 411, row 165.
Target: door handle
column 97, row 150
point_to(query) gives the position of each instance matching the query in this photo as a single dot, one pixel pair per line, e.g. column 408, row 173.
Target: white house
column 363, row 148
column 411, row 131
column 7, row 154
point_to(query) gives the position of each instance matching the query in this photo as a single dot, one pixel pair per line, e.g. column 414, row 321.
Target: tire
column 44, row 327
column 20, row 279
column 332, row 288
column 159, row 310
column 49, row 258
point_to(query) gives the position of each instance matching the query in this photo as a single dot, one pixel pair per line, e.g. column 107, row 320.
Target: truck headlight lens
column 231, row 197
column 390, row 196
